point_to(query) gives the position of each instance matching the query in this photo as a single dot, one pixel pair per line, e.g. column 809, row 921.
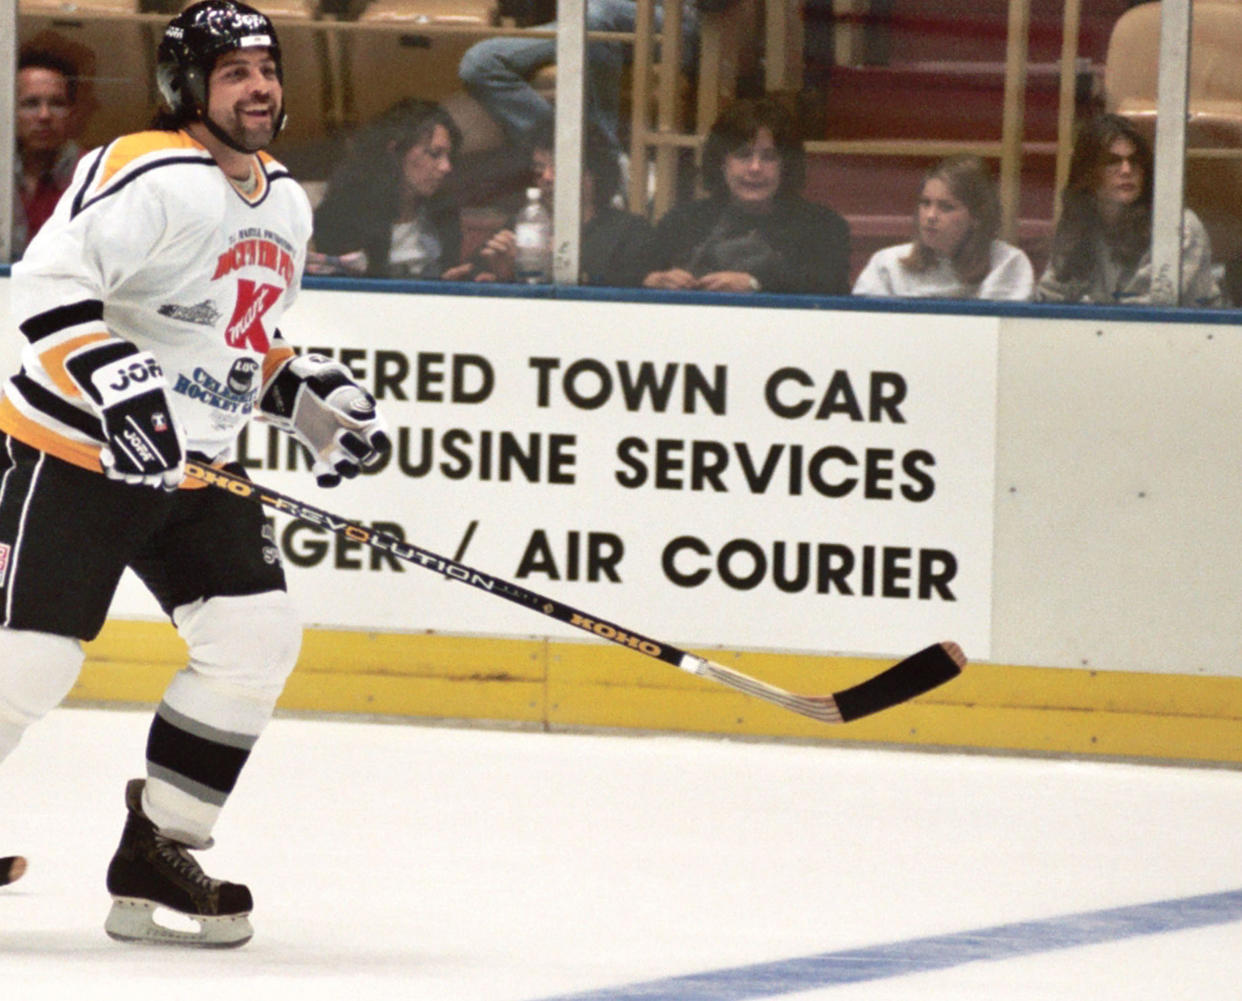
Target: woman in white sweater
column 1101, row 249
column 955, row 253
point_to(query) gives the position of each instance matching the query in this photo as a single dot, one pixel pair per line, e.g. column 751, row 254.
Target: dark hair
column 363, row 195
column 969, row 181
column 43, row 59
column 404, row 125
column 372, row 167
column 599, row 158
column 1073, row 243
column 738, row 126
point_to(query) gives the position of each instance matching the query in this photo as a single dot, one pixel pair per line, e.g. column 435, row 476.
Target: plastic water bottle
column 533, row 241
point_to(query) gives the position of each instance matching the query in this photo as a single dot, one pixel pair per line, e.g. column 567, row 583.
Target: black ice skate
column 150, row 872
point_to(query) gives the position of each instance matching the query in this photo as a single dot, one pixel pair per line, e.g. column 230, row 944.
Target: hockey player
column 149, row 306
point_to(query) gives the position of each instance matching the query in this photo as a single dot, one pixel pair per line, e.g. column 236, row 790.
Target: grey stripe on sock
column 188, row 786
column 229, row 738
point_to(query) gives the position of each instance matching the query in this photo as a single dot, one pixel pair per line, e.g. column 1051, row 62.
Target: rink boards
column 568, row 685
column 801, row 493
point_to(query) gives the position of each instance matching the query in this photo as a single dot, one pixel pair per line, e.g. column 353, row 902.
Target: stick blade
column 908, row 679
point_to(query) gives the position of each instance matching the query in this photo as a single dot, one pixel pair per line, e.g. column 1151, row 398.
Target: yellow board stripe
column 563, row 685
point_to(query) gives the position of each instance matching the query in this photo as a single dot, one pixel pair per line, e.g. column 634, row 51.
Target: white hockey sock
column 242, row 649
column 199, row 741
column 36, row 672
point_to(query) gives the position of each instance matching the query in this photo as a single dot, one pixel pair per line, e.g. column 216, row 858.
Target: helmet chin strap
column 230, row 142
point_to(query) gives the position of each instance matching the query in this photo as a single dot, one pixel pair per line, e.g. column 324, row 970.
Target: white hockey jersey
column 152, row 243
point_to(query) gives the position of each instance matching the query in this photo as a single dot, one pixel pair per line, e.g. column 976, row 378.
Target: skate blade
column 135, row 920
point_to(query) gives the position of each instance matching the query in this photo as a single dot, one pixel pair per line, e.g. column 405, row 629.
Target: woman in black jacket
column 382, row 214
column 754, row 232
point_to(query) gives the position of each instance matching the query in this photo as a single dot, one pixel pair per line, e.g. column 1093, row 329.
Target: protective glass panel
column 728, row 145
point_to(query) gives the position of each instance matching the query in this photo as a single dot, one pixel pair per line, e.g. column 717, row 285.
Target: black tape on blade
column 908, row 679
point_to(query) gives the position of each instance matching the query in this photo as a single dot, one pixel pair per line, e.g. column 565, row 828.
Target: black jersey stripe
column 52, row 405
column 81, row 202
column 86, row 184
column 81, row 205
column 59, row 318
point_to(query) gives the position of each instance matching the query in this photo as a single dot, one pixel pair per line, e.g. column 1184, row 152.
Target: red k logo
column 245, row 329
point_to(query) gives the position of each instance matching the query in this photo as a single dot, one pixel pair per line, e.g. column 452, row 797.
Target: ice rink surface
column 421, row 863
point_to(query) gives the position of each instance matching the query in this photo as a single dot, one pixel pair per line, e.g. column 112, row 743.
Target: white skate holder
column 134, row 920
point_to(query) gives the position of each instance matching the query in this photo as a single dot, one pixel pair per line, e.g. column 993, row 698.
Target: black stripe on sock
column 200, row 760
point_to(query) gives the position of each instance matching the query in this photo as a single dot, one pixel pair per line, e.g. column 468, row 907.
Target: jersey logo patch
column 245, row 330
column 4, row 562
column 204, row 313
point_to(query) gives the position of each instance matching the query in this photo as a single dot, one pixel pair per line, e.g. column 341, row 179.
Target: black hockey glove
column 144, row 442
column 317, row 401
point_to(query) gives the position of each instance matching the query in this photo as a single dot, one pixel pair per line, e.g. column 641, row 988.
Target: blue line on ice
column 921, row 955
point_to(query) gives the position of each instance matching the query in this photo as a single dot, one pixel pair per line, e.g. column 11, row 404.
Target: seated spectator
column 1101, row 249
column 380, row 215
column 955, row 253
column 616, row 245
column 497, row 71
column 47, row 92
column 754, row 231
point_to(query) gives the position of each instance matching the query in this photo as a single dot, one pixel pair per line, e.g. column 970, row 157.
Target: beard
column 250, row 137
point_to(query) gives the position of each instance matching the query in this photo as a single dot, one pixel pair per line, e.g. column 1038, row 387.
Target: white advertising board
column 763, row 479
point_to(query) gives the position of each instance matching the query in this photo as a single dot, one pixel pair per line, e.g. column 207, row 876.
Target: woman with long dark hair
column 383, row 211
column 754, row 231
column 1101, row 249
column 956, row 253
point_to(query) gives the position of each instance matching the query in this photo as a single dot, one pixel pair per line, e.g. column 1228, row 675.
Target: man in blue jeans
column 497, row 71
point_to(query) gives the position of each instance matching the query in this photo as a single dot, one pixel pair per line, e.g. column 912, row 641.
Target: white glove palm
column 317, row 401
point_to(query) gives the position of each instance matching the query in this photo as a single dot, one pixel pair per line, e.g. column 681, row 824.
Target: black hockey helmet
column 192, row 43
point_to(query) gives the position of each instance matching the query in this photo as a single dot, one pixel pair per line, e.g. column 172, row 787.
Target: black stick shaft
column 385, row 542
column 908, row 679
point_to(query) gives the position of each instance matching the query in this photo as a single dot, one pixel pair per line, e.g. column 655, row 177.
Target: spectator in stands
column 1101, row 247
column 616, row 245
column 497, row 71
column 754, row 232
column 955, row 253
column 47, row 92
column 381, row 213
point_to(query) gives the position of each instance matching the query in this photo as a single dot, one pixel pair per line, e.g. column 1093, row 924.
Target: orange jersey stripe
column 53, row 361
column 129, row 148
column 138, row 144
column 274, row 358
column 21, row 427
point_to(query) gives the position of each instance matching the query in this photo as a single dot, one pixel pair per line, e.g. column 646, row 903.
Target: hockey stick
column 911, row 677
